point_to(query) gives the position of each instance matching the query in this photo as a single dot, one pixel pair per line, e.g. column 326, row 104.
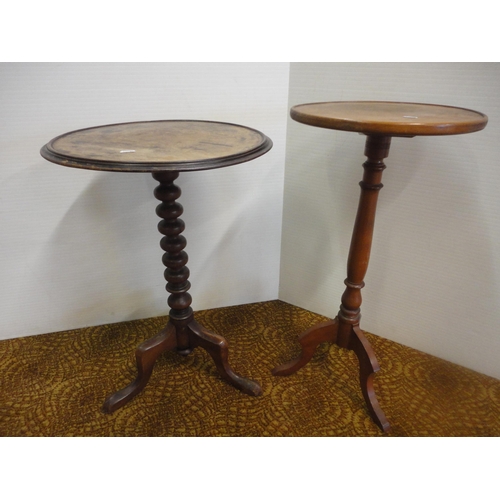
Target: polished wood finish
column 165, row 148
column 379, row 121
column 178, row 145
column 390, row 118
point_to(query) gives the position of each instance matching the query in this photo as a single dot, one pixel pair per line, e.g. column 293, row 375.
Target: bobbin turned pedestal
column 182, row 332
column 165, row 148
column 379, row 121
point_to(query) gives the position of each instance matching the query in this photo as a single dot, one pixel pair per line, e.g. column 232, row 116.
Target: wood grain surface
column 390, row 118
column 157, row 145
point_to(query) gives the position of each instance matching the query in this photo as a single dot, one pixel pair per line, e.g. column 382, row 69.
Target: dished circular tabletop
column 390, row 118
column 153, row 146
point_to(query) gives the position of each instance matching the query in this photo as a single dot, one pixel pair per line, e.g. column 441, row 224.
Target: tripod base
column 356, row 341
column 183, row 336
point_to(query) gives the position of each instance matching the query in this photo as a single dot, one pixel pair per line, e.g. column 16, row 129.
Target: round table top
column 153, row 146
column 390, row 118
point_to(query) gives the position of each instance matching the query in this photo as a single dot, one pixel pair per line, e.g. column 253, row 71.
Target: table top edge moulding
column 391, row 118
column 105, row 147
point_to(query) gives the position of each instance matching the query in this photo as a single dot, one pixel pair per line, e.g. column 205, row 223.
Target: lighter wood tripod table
column 165, row 148
column 379, row 121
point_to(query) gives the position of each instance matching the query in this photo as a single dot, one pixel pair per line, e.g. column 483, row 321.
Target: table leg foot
column 146, row 355
column 309, row 341
column 217, row 347
column 368, row 366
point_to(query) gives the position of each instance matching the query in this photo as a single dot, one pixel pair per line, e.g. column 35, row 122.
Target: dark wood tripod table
column 165, row 148
column 379, row 121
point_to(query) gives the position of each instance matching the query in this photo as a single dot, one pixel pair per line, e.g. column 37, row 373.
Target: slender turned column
column 174, row 258
column 344, row 329
column 376, row 149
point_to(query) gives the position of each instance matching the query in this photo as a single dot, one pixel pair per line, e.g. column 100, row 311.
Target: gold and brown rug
column 55, row 384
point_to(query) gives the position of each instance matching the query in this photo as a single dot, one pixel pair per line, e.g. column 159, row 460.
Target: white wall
column 81, row 248
column 434, row 277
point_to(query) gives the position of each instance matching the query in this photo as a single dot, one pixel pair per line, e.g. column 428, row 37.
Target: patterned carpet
column 55, row 384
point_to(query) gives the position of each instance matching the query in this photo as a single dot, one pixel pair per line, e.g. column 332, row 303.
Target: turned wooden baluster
column 376, row 149
column 349, row 333
column 175, row 258
column 190, row 334
column 174, row 335
column 182, row 332
column 344, row 329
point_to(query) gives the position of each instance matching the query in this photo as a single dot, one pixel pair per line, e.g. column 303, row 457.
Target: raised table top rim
column 50, row 153
column 322, row 114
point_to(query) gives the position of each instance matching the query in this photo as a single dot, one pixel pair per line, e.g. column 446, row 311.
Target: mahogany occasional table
column 379, row 121
column 165, row 148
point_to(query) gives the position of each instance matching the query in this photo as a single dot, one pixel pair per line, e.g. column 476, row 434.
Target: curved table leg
column 217, row 347
column 368, row 366
column 309, row 341
column 146, row 355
